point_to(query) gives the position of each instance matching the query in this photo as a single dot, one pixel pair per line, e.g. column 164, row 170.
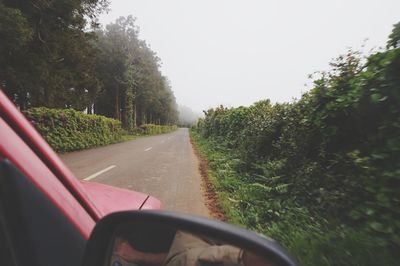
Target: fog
column 188, row 117
column 235, row 52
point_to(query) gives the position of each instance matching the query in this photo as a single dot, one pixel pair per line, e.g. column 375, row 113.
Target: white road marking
column 99, row 173
column 148, row 149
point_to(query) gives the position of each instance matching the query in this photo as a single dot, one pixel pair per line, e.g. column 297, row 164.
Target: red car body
column 82, row 203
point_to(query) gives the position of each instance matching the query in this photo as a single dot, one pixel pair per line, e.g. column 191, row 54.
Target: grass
column 218, row 162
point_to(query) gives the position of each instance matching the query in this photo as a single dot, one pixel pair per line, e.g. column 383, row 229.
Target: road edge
column 207, row 188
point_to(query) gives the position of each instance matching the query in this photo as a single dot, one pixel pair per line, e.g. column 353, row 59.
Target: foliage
column 134, row 91
column 331, row 157
column 55, row 54
column 68, row 130
column 45, row 52
column 150, row 129
column 394, row 37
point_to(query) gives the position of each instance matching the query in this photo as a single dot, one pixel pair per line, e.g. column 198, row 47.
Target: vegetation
column 45, row 53
column 134, row 90
column 150, row 129
column 54, row 54
column 322, row 174
column 68, row 130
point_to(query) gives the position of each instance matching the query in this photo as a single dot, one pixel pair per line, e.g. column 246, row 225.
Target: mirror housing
column 98, row 248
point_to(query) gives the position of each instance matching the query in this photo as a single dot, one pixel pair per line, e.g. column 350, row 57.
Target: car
column 49, row 217
column 25, row 154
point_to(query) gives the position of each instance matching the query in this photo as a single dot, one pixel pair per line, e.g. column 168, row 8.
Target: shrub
column 68, row 130
column 334, row 153
column 151, row 129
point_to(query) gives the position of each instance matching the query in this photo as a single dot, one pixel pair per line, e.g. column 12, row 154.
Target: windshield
column 282, row 117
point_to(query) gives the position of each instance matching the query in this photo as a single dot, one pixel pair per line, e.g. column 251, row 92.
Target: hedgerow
column 321, row 174
column 151, row 129
column 68, row 130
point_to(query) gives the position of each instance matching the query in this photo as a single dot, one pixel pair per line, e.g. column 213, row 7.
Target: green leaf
column 377, row 226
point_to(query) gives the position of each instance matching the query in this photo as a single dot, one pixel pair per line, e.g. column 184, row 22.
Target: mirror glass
column 162, row 245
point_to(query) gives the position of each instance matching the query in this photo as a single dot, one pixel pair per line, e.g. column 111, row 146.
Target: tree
column 130, row 113
column 46, row 54
column 134, row 90
column 394, row 37
column 115, row 66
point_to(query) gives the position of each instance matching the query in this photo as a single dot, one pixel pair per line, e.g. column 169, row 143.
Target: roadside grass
column 311, row 240
column 218, row 163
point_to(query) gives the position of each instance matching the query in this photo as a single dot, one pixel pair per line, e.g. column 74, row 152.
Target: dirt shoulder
column 210, row 196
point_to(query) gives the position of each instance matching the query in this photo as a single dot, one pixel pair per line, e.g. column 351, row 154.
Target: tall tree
column 117, row 44
column 134, row 91
column 53, row 64
column 394, row 37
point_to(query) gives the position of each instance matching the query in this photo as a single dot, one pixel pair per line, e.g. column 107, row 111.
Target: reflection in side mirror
column 164, row 238
column 173, row 247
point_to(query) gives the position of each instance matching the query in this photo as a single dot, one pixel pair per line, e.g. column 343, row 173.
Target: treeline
column 321, row 174
column 135, row 91
column 55, row 54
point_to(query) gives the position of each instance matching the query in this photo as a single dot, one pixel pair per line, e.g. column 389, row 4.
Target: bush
column 68, row 130
column 151, row 129
column 334, row 153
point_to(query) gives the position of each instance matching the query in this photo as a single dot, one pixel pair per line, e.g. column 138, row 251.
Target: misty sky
column 236, row 52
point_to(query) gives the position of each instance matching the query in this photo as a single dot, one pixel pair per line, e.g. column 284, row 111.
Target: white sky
column 236, row 52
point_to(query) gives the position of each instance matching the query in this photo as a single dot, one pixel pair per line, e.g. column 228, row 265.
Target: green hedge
column 68, row 130
column 313, row 240
column 151, row 129
column 332, row 156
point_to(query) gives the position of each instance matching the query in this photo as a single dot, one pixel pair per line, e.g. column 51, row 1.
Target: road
column 163, row 166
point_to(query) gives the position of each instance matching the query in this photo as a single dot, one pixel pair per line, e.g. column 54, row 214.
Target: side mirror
column 167, row 238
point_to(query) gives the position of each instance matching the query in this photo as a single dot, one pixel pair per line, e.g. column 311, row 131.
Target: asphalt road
column 163, row 166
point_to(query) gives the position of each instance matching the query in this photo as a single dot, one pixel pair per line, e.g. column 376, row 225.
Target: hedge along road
column 163, row 166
